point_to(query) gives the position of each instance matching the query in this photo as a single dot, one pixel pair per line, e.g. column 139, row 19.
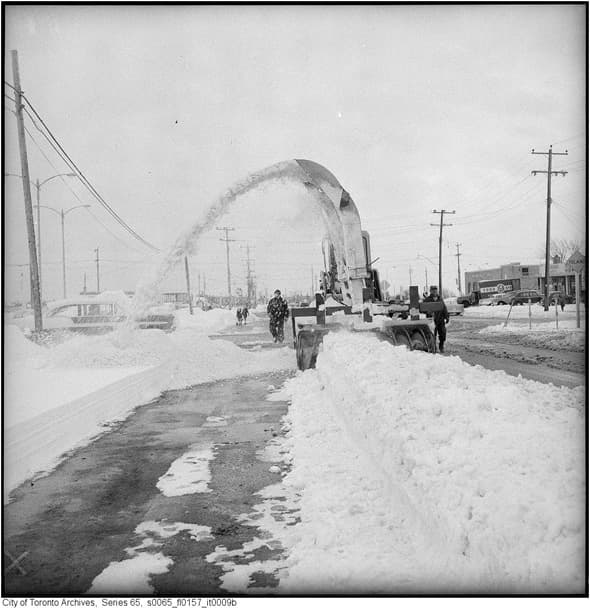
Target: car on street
column 99, row 314
column 524, row 296
column 500, row 299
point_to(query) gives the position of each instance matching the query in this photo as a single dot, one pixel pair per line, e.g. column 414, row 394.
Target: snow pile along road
column 421, row 473
column 61, row 394
column 543, row 335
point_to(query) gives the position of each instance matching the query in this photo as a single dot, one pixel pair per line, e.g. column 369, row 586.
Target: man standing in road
column 441, row 318
column 278, row 311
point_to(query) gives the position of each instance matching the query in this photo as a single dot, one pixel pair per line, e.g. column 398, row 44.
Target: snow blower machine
column 349, row 295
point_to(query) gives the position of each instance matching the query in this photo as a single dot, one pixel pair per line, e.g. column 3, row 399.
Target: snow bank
column 35, row 444
column 424, row 474
column 209, row 321
column 522, row 312
column 546, row 335
column 60, row 394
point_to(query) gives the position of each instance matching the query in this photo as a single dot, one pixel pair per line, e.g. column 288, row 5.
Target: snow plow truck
column 350, row 295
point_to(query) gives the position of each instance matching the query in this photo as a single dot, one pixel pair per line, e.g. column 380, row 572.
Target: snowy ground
column 408, row 473
column 421, row 473
column 61, row 394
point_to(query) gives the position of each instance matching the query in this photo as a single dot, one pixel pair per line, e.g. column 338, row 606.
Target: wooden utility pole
column 442, row 215
column 188, row 285
column 549, row 173
column 38, row 188
column 250, row 282
column 227, row 241
column 97, row 272
column 35, row 291
column 458, row 269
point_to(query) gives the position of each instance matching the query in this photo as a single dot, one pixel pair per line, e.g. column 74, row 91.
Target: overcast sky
column 412, row 108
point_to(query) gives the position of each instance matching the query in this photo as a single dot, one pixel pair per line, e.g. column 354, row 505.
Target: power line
column 67, row 185
column 82, row 177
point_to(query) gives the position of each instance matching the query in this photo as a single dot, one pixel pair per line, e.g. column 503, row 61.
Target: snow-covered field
column 406, row 472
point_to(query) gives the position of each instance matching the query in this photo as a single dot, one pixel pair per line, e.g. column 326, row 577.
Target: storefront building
column 515, row 275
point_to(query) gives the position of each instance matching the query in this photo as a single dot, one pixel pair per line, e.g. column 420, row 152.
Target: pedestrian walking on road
column 239, row 316
column 278, row 312
column 245, row 314
column 440, row 317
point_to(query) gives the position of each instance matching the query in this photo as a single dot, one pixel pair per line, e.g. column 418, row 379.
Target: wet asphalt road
column 83, row 516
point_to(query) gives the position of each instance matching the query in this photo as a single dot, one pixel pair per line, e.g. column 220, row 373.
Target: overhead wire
column 54, row 142
column 75, row 194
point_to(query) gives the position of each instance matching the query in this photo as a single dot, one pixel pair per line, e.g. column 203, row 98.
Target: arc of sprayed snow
column 319, row 182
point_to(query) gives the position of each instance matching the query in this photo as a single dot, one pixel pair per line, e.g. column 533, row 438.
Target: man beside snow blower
column 440, row 317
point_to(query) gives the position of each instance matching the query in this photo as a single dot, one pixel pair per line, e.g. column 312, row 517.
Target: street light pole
column 38, row 206
column 62, row 215
column 38, row 187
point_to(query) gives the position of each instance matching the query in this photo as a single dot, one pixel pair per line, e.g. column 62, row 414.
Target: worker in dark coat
column 278, row 312
column 440, row 317
column 245, row 314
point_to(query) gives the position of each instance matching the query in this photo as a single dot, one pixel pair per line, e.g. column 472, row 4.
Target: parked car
column 99, row 314
column 501, row 299
column 523, row 296
column 469, row 300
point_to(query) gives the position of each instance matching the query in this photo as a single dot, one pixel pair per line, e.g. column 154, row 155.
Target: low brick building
column 514, row 275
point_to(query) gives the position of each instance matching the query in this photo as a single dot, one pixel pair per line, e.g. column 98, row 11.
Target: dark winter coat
column 440, row 316
column 277, row 309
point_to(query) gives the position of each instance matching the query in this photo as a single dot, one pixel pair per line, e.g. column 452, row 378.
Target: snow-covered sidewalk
column 60, row 395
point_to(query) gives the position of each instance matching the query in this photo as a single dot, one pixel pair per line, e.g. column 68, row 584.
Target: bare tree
column 562, row 248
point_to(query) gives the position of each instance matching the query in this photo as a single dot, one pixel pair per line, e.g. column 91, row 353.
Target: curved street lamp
column 63, row 214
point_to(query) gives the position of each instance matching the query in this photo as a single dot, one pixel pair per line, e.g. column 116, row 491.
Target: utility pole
column 250, row 284
column 199, row 284
column 426, row 279
column 549, row 173
column 188, row 285
column 227, row 241
column 35, row 291
column 442, row 215
column 84, row 291
column 410, row 275
column 38, row 187
column 459, row 269
column 97, row 272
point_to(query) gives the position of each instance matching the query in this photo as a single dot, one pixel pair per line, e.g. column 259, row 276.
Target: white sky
column 413, row 108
